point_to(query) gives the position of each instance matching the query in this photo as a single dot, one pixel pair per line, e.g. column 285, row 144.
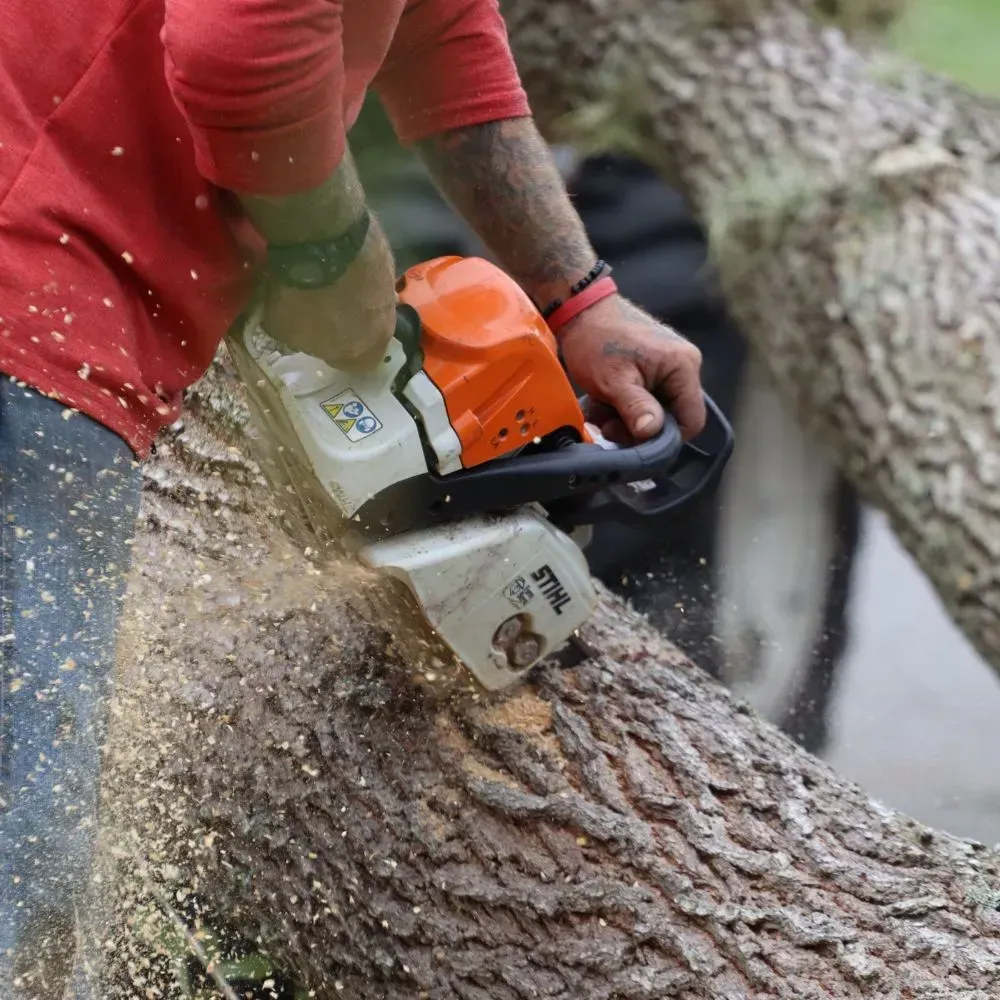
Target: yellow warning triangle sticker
column 333, row 408
column 345, row 425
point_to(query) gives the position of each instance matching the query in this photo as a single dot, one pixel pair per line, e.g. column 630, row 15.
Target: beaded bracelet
column 588, row 279
column 576, row 304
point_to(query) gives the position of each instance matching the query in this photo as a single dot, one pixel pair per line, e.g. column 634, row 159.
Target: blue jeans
column 69, row 495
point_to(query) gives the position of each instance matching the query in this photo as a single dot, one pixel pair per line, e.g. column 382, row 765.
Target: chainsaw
column 463, row 464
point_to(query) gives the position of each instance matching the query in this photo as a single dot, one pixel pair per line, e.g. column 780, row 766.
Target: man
column 158, row 159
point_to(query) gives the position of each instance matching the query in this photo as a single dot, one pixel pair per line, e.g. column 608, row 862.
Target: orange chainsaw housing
column 491, row 354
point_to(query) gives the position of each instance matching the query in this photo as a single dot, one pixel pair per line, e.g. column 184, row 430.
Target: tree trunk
column 851, row 207
column 290, row 750
column 621, row 829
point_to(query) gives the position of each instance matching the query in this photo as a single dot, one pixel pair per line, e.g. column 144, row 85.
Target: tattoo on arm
column 320, row 214
column 502, row 179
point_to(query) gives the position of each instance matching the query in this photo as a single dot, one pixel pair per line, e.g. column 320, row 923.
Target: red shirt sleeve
column 450, row 66
column 261, row 85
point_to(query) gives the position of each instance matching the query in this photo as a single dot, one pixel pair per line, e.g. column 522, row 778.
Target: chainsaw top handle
column 578, row 482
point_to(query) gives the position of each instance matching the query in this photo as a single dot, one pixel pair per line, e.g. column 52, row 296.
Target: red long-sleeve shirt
column 123, row 260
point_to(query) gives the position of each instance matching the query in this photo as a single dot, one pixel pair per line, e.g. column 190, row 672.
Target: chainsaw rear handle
column 692, row 472
column 591, row 465
column 580, row 483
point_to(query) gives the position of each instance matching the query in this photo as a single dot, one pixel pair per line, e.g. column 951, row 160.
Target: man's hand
column 349, row 324
column 622, row 358
column 502, row 179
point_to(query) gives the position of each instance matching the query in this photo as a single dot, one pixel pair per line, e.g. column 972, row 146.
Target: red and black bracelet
column 588, row 291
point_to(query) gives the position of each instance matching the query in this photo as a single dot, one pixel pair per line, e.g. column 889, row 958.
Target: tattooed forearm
column 320, row 214
column 502, row 179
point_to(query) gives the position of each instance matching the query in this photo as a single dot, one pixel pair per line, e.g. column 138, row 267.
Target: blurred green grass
column 958, row 37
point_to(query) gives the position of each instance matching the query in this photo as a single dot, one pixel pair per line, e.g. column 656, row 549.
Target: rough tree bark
column 622, row 829
column 285, row 749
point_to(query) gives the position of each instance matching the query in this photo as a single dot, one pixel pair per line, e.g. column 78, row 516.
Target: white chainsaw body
column 501, row 591
column 359, row 438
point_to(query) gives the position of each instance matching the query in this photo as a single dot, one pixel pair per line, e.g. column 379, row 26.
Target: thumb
column 358, row 363
column 638, row 408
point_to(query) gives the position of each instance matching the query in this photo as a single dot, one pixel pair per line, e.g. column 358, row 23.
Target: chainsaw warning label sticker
column 351, row 415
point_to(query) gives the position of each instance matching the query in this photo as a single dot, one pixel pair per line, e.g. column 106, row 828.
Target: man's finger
column 691, row 415
column 638, row 408
column 616, row 432
column 357, row 364
column 686, row 402
column 597, row 413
